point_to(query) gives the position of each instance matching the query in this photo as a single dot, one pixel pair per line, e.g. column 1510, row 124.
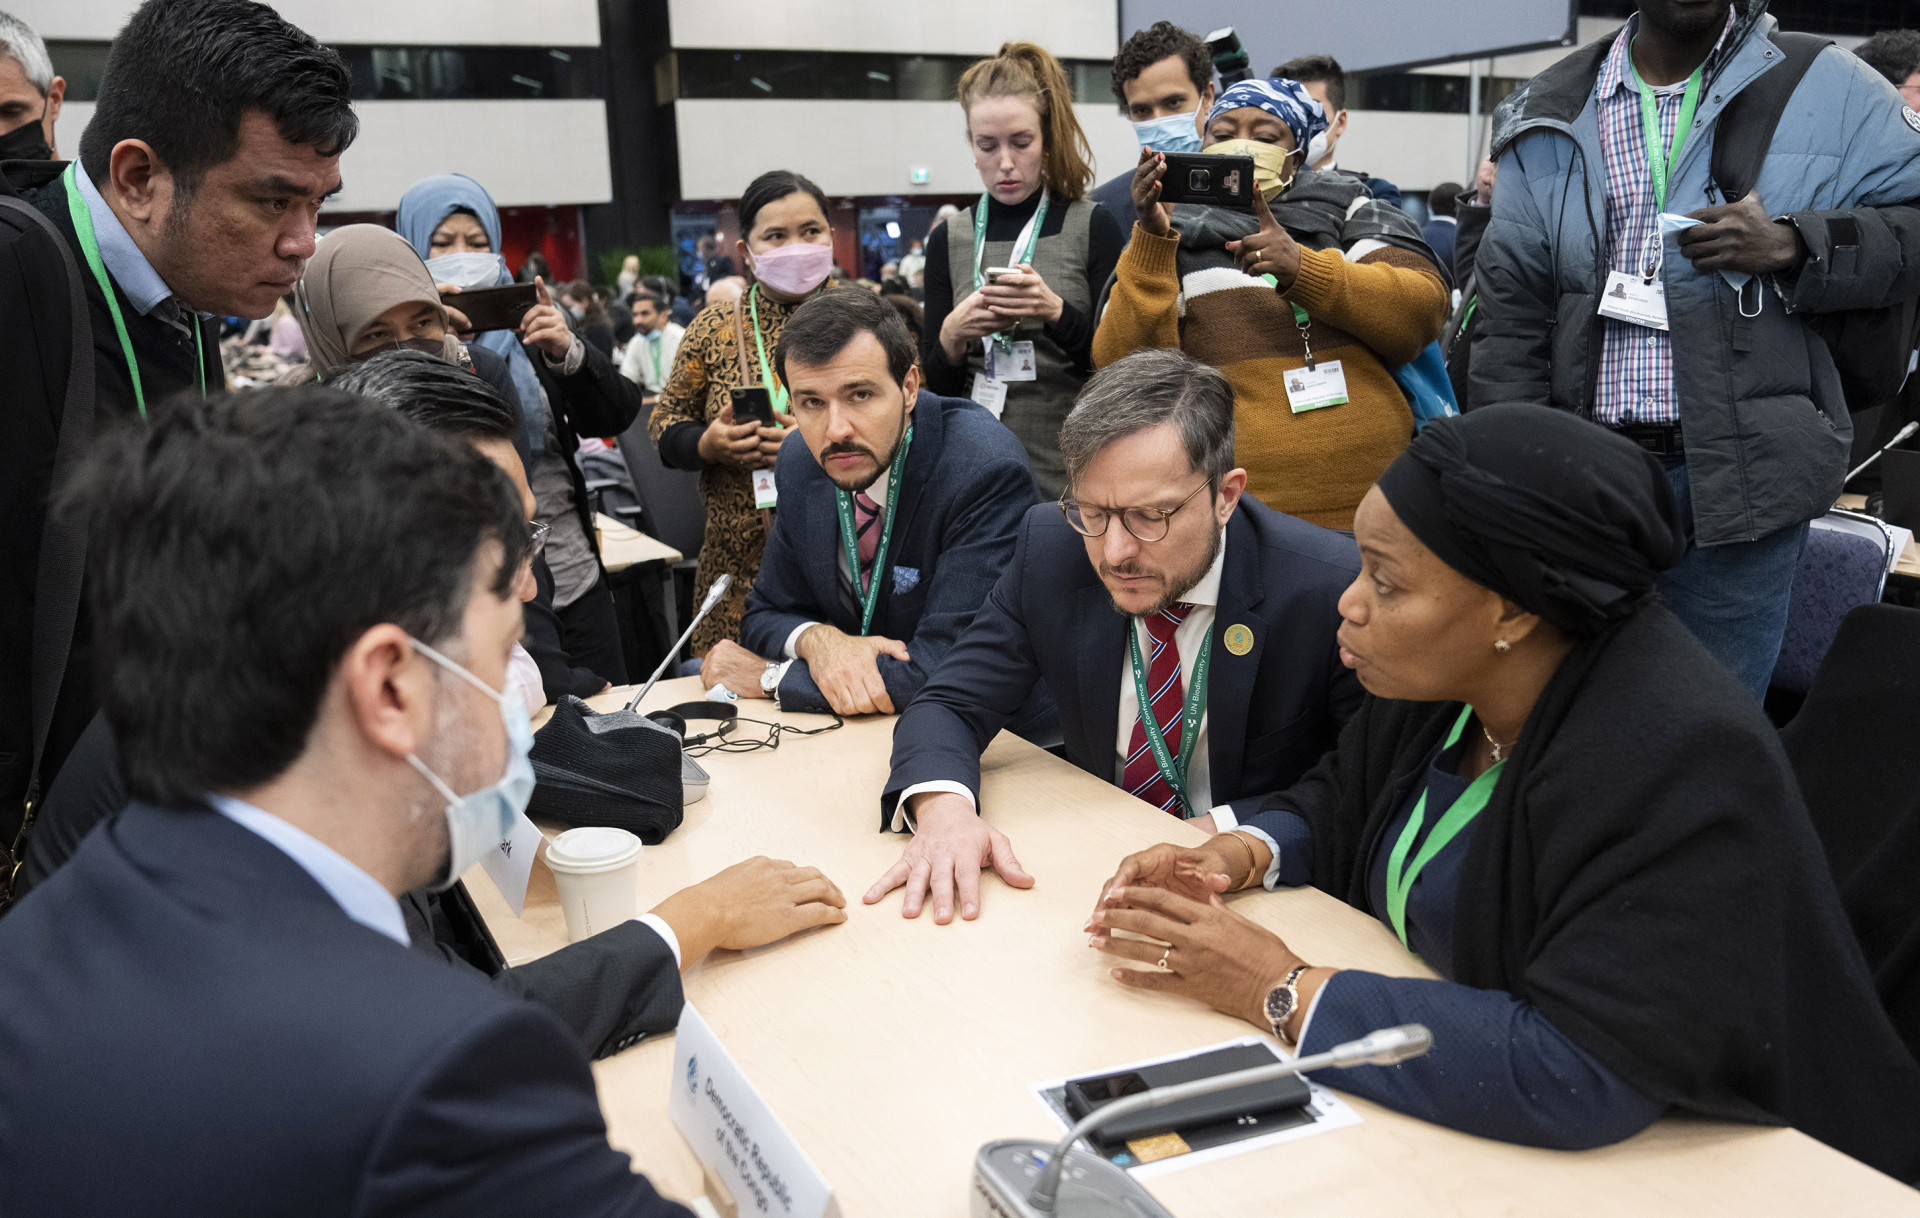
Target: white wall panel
column 1071, row 29
column 854, row 147
column 376, row 22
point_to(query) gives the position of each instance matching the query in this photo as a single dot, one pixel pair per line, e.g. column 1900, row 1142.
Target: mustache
column 1129, row 569
column 847, row 448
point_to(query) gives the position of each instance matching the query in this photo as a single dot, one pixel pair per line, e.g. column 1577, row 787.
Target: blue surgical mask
column 467, row 270
column 477, row 823
column 1174, row 133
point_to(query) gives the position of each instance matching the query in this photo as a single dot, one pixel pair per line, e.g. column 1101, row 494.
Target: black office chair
column 1852, row 747
column 671, row 508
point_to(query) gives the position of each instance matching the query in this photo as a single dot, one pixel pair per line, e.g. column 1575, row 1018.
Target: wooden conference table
column 893, row 1048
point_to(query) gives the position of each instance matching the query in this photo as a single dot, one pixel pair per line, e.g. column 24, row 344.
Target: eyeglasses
column 539, row 542
column 1145, row 523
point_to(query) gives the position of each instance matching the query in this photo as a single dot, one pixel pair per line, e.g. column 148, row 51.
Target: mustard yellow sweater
column 1371, row 314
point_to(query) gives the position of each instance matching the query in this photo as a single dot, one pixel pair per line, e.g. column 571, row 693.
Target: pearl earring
column 1502, row 646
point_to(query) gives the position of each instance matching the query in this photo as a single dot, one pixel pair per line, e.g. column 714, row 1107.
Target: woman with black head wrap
column 1567, row 808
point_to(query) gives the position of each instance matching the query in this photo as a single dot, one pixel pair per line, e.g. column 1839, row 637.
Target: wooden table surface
column 622, row 547
column 892, row 1049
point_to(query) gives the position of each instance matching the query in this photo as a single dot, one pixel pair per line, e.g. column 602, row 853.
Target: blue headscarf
column 1287, row 100
column 424, row 208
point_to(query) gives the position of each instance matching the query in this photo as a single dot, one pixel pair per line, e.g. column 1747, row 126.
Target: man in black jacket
column 217, row 133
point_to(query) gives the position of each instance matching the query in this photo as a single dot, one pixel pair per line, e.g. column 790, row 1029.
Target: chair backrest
column 671, row 508
column 1839, row 571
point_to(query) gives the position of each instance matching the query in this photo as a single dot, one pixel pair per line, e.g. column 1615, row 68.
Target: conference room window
column 845, row 75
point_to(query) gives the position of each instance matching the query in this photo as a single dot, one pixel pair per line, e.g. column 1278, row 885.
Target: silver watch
column 770, row 678
column 1283, row 1000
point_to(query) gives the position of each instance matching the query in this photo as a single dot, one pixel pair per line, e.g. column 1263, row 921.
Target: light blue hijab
column 422, row 209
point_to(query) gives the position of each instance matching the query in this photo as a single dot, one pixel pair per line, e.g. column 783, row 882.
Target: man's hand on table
column 949, row 849
column 735, row 667
column 846, row 667
column 750, row 904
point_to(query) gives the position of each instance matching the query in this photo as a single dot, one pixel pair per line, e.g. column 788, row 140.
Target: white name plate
column 735, row 1135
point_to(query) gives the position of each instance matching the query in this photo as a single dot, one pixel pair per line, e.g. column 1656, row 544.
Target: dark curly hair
column 1895, row 54
column 1161, row 40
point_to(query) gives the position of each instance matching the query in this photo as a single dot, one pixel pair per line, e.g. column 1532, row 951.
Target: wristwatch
column 1283, row 1000
column 770, row 678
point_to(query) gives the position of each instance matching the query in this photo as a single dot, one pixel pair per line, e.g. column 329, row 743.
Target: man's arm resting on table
column 944, row 858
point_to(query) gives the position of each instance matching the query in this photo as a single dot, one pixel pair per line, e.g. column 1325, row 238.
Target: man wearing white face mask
column 1163, row 79
column 1307, row 304
column 302, row 748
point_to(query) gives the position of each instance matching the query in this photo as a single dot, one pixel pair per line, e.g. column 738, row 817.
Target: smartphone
column 1216, row 181
column 994, row 272
column 1086, row 1095
column 498, row 308
column 753, row 402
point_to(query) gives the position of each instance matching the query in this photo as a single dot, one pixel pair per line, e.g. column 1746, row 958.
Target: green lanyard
column 778, row 393
column 1305, row 325
column 1039, row 220
column 654, row 341
column 90, row 246
column 850, row 539
column 1660, row 165
column 1400, row 874
column 1174, row 772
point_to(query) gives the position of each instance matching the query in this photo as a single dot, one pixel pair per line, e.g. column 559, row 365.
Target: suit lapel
column 923, row 461
column 1100, row 643
column 1230, row 681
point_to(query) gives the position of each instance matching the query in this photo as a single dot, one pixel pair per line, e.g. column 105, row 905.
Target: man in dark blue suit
column 1233, row 609
column 304, row 606
column 897, row 514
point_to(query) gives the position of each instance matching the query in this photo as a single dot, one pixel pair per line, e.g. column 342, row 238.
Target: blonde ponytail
column 1024, row 69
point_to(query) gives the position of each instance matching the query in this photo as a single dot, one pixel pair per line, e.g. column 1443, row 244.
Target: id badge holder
column 1315, row 388
column 1634, row 300
column 1016, row 365
column 989, row 393
column 764, row 493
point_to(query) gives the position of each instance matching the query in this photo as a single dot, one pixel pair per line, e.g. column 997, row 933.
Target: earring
column 1502, row 646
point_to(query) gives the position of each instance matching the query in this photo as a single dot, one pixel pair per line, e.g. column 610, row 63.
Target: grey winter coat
column 1766, row 430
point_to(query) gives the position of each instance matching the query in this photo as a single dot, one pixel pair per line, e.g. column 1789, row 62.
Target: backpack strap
column 1745, row 129
column 63, row 542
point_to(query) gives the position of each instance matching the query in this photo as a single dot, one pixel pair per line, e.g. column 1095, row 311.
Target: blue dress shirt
column 125, row 263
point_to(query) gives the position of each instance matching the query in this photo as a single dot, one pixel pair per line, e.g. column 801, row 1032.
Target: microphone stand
column 1902, row 434
column 714, row 594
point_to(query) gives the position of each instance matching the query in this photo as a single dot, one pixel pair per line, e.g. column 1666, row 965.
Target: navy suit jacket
column 963, row 491
column 1271, row 713
column 191, row 1025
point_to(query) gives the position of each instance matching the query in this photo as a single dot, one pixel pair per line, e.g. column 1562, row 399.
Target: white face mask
column 467, row 270
column 478, row 822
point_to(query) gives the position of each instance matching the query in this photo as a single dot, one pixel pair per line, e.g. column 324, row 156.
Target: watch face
column 1280, row 1005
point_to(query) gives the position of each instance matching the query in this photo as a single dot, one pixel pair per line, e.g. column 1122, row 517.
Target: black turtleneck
column 1073, row 332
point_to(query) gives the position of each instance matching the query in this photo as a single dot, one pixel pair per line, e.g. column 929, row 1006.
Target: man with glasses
column 1154, row 583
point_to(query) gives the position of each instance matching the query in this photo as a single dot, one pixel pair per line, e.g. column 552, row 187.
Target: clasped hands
column 846, row 667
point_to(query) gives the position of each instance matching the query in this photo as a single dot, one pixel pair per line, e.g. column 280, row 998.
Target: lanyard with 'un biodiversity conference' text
column 90, row 246
column 850, row 539
column 1175, row 772
column 1661, row 166
column 776, row 392
column 1029, row 237
column 1401, row 875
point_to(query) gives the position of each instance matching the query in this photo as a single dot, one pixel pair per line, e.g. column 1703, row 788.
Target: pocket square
column 905, row 580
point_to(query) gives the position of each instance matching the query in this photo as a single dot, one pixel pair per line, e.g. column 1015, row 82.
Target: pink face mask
column 794, row 269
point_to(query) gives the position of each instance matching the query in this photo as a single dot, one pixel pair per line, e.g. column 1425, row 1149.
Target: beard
column 862, row 482
column 1685, row 24
column 1178, row 584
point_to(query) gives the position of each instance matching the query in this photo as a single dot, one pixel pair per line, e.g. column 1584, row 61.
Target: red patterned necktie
column 1141, row 776
column 866, row 530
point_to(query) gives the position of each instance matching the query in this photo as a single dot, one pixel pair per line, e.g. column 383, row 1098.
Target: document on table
column 1324, row 1112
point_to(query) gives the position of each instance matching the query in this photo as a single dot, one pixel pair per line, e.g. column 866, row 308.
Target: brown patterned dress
column 705, row 372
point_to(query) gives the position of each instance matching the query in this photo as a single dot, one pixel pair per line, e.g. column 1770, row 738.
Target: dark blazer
column 609, row 990
column 1271, row 713
column 184, row 993
column 962, row 494
column 33, row 371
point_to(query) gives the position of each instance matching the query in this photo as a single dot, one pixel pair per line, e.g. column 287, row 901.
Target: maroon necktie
column 866, row 530
column 1141, row 776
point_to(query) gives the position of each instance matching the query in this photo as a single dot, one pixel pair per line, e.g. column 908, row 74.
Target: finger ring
column 1163, row 958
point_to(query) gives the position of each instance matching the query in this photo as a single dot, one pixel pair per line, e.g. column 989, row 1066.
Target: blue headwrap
column 424, row 208
column 1287, row 100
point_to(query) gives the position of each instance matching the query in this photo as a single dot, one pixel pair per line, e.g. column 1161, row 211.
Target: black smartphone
column 1086, row 1095
column 1216, row 181
column 498, row 308
column 753, row 402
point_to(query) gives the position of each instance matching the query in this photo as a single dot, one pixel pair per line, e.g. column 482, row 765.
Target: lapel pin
column 1239, row 640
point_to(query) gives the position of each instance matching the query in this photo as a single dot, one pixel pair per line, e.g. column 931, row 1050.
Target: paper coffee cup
column 596, row 871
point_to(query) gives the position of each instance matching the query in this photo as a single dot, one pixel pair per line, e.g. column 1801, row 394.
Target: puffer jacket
column 1766, row 429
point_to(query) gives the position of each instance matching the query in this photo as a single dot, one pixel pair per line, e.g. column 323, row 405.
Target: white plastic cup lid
column 593, row 849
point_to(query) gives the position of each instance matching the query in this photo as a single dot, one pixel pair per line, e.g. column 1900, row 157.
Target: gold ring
column 1163, row 958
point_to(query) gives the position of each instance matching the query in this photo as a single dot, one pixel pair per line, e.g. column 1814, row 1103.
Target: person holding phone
column 1011, row 283
column 724, row 409
column 1307, row 303
column 568, row 389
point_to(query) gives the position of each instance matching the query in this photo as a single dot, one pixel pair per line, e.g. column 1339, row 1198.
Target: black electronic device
column 1900, row 483
column 1230, row 58
column 1085, row 1096
column 753, row 402
column 498, row 308
column 1214, row 181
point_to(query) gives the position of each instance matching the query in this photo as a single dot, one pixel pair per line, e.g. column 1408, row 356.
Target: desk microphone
column 1022, row 1178
column 714, row 594
column 1902, row 434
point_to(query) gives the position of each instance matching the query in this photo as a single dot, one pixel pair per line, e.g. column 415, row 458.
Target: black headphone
column 676, row 718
